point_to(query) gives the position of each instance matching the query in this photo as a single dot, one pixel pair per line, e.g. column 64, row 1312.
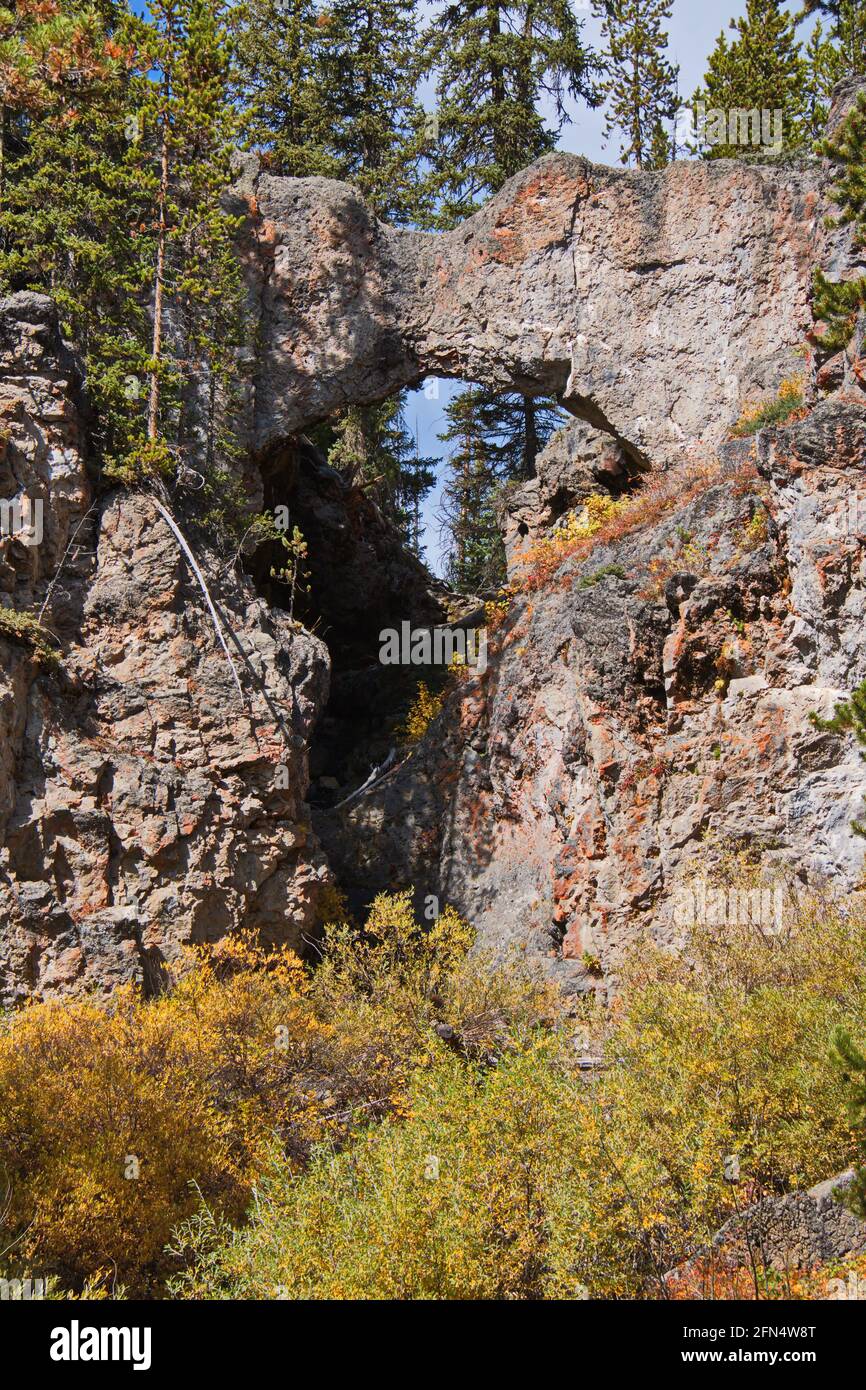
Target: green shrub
column 773, row 411
column 27, row 631
column 514, row 1176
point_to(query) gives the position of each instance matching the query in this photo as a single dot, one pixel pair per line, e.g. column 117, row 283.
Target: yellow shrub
column 110, row 1113
column 507, row 1174
column 422, row 712
column 103, row 1124
column 772, row 410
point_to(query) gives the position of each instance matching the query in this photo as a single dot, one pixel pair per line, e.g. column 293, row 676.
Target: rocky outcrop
column 648, row 703
column 800, row 1231
column 145, row 801
column 651, row 305
column 647, row 713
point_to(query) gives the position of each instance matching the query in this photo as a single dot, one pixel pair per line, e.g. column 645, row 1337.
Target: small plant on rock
column 776, row 410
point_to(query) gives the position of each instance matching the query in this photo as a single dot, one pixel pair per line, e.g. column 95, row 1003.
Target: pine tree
column 839, row 51
column 284, row 111
column 490, row 447
column 476, row 560
column 846, row 35
column 822, row 73
column 837, row 304
column 332, row 92
column 374, row 449
column 493, row 63
column 640, row 84
column 762, row 71
column 367, row 74
column 71, row 195
column 196, row 291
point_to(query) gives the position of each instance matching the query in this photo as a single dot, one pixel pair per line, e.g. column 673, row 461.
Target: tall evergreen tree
column 846, row 33
column 195, row 305
column 367, row 72
column 639, row 84
column 476, row 559
column 374, row 449
column 494, row 63
column 831, row 54
column 498, row 68
column 838, row 304
column 762, row 70
column 822, row 73
column 333, row 91
column 284, row 113
column 73, row 201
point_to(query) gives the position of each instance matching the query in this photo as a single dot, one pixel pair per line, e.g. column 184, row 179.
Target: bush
column 776, row 410
column 117, row 1118
column 512, row 1176
column 409, row 1122
column 423, row 710
column 451, row 1202
column 27, row 631
column 103, row 1123
column 722, row 1053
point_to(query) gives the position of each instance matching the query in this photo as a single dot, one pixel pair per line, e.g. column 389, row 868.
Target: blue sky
column 693, row 32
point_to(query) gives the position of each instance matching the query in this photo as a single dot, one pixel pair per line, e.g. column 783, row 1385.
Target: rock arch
column 650, row 304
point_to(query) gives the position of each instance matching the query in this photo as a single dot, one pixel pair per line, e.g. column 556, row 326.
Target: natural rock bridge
column 649, row 304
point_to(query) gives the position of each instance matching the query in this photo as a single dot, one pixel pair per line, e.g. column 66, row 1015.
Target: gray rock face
column 647, row 712
column 143, row 803
column 648, row 703
column 802, row 1231
column 650, row 304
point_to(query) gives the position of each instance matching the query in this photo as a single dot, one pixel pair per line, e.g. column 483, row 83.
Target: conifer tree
column 367, row 70
column 639, row 84
column 332, row 91
column 822, row 73
column 72, row 199
column 283, row 104
column 837, row 304
column 846, row 34
column 476, row 559
column 762, row 71
column 495, row 65
column 490, row 447
column 494, row 62
column 374, row 449
column 195, row 307
column 831, row 54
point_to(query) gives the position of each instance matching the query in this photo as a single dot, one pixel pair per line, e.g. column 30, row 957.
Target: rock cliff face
column 646, row 711
column 141, row 804
column 647, row 714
